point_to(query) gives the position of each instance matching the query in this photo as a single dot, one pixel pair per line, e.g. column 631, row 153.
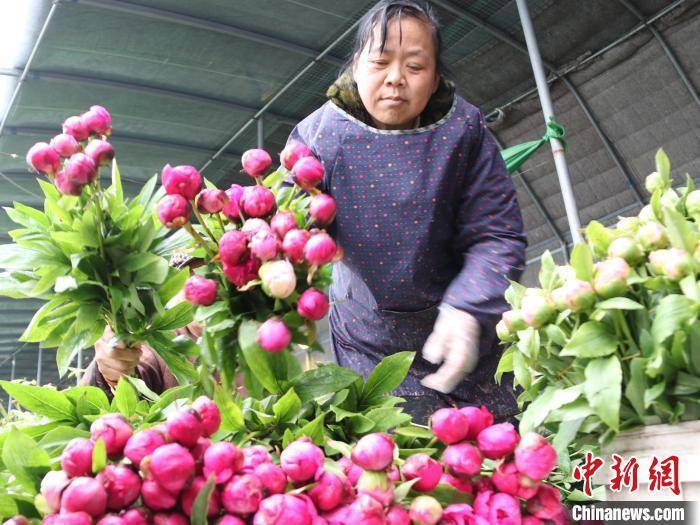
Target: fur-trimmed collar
column 344, row 94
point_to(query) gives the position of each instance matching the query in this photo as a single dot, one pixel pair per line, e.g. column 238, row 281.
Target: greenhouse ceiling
column 200, row 82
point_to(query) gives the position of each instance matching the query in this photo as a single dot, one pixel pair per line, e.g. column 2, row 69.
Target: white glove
column 455, row 343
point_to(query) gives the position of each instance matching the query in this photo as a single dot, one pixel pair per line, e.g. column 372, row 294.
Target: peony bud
column 574, row 295
column 449, row 425
column 654, row 182
column 184, row 426
column 174, row 211
column 692, row 203
column 80, row 169
column 181, row 180
column 330, row 490
column 513, row 319
column 200, row 290
column 628, row 225
column 282, row 222
column 425, row 468
column 535, row 457
column 652, row 236
column 611, row 277
column 674, row 263
column 76, row 127
column 97, row 120
column 76, row 458
column 115, row 430
column 293, row 244
column 537, row 307
column 211, row 200
column 65, row 145
column 43, row 158
column 322, row 208
column 278, row 279
column 312, row 304
column 293, row 152
column 462, row 459
column 378, row 486
column 425, row 510
column 546, row 504
column 497, row 441
column 319, row 249
column 100, row 151
column 243, row 494
column 223, row 459
column 265, row 245
column 374, row 452
column 274, row 336
column 232, row 246
column 208, row 413
column 627, row 249
column 308, row 172
column 256, row 162
column 242, row 273
column 478, row 418
column 258, row 201
column 232, row 209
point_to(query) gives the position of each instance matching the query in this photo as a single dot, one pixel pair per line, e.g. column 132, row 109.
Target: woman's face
column 395, row 85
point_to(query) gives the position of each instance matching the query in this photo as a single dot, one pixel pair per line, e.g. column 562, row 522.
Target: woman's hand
column 115, row 360
column 455, row 343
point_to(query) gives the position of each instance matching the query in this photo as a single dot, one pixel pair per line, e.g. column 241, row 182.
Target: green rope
column 515, row 156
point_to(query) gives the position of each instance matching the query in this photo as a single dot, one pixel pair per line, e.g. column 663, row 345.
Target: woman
column 427, row 215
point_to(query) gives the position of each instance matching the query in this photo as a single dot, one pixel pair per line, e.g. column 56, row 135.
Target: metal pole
column 533, row 197
column 79, row 372
column 548, row 111
column 261, row 134
column 667, row 49
column 12, row 378
column 27, row 66
column 40, row 355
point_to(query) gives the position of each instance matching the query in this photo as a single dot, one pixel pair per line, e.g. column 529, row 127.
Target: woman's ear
column 437, row 83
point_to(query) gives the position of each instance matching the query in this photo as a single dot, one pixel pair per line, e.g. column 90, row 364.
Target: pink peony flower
column 181, row 180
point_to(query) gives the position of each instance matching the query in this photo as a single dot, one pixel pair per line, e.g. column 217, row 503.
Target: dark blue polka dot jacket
column 425, row 216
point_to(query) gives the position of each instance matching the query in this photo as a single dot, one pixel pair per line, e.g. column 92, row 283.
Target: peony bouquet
column 94, row 257
column 266, row 262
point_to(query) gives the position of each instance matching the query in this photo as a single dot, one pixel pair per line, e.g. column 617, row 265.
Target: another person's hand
column 454, row 343
column 115, row 361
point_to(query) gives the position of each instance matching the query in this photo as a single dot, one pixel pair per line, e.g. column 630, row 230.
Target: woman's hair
column 386, row 11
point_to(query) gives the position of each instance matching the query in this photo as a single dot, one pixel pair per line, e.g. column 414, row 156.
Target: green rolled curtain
column 515, row 156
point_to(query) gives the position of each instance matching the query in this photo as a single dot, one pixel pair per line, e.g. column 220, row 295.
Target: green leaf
column 619, row 303
column 59, row 437
column 680, row 233
column 415, row 431
column 448, row 495
column 257, row 359
column 136, row 261
column 582, row 262
column 173, row 284
column 314, row 430
column 70, row 346
column 663, row 166
column 551, row 399
column 637, row 385
column 144, row 196
column 323, row 380
column 231, row 414
column 386, row 418
column 41, row 400
column 340, row 447
column 200, row 508
column 603, row 389
column 25, row 460
column 402, row 490
column 592, row 339
column 599, row 238
column 274, row 179
column 99, row 456
column 514, row 294
column 521, row 370
column 505, row 364
column 125, row 398
column 652, row 394
column 154, row 273
column 387, row 375
column 548, row 277
column 117, row 181
column 8, row 507
column 287, row 407
column 176, row 317
column 142, row 389
column 671, row 313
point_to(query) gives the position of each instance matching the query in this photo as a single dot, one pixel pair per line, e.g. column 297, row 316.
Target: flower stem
column 221, row 223
column 198, row 238
column 291, row 196
column 203, row 222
